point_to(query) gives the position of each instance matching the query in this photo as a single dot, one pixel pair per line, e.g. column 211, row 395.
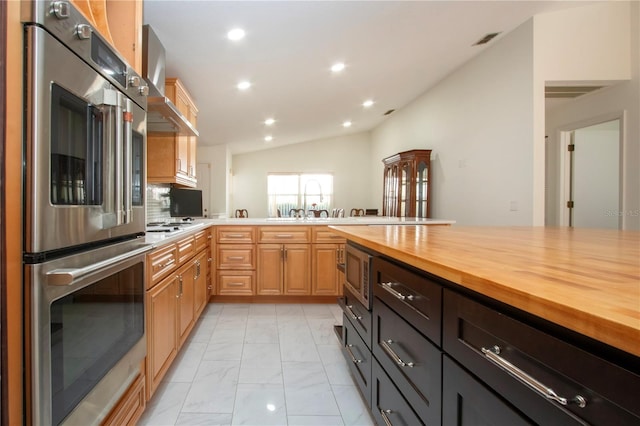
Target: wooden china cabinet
column 407, row 181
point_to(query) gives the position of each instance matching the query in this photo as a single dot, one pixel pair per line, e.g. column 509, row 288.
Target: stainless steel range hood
column 162, row 115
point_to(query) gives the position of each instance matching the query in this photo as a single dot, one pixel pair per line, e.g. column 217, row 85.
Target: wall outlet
column 513, row 206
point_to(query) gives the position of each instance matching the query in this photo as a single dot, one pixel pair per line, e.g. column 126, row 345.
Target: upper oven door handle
column 127, row 163
column 67, row 276
column 116, row 108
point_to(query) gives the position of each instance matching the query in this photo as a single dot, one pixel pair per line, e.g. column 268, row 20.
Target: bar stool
column 318, row 213
column 242, row 213
column 356, row 212
column 296, row 213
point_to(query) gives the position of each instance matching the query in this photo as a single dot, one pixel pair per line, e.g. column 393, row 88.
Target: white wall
column 346, row 157
column 479, row 123
column 220, row 159
column 621, row 99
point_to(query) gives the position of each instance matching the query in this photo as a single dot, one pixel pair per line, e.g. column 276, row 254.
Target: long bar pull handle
column 384, row 413
column 284, row 236
column 353, row 358
column 390, row 289
column 66, row 276
column 235, row 258
column 385, row 345
column 353, row 315
column 492, row 355
column 234, row 235
column 127, row 163
column 236, row 284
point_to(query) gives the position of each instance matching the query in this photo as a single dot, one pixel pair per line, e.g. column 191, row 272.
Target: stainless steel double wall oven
column 84, row 183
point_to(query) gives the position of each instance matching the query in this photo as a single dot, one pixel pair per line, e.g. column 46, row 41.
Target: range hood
column 162, row 115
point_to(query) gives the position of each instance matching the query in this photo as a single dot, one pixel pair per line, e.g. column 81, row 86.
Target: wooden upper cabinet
column 171, row 157
column 119, row 22
column 407, row 184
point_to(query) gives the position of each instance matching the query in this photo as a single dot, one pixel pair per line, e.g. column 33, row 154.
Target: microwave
column 358, row 272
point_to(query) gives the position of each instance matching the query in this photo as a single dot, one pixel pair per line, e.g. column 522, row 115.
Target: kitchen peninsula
column 557, row 304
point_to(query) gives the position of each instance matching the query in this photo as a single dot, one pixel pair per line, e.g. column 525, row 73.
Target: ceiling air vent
column 391, row 111
column 568, row 91
column 486, row 39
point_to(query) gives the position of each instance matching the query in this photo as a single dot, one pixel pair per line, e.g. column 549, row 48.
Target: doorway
column 203, row 171
column 592, row 178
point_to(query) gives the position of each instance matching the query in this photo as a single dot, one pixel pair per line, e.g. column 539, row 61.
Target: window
column 288, row 191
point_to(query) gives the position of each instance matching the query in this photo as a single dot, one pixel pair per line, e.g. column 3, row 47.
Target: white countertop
column 159, row 238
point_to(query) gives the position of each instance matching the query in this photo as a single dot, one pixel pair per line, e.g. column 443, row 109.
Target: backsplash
column 158, row 202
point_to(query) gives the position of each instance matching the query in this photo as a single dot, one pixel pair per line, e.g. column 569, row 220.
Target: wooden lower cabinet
column 326, row 279
column 130, row 407
column 235, row 283
column 186, row 302
column 201, row 282
column 162, row 333
column 173, row 305
column 283, row 269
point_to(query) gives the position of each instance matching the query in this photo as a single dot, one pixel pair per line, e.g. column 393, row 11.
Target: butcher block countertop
column 587, row 280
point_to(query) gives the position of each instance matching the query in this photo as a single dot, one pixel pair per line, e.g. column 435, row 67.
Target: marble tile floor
column 260, row 364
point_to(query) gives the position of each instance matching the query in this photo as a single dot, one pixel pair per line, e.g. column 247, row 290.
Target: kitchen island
column 559, row 304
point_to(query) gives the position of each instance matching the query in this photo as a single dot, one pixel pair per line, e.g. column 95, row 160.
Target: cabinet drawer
column 284, row 234
column 235, row 234
column 232, row 283
column 358, row 358
column 357, row 314
column 414, row 297
column 410, row 360
column 610, row 394
column 387, row 401
column 236, row 257
column 322, row 234
column 186, row 249
column 161, row 262
column 467, row 402
column 202, row 239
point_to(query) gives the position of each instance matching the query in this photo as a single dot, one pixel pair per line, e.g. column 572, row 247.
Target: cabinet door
column 162, row 337
column 200, row 271
column 465, row 401
column 297, row 269
column 325, row 273
column 193, row 141
column 270, row 269
column 186, row 302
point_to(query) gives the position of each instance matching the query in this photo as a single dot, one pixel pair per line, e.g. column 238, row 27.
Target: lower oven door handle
column 66, row 276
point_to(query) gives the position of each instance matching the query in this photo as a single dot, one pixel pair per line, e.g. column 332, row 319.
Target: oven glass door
column 76, row 150
column 91, row 330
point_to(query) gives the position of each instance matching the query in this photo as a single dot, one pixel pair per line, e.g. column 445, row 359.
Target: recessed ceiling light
column 368, row 103
column 346, row 124
column 337, row 67
column 243, row 85
column 268, row 138
column 236, row 34
column 269, row 121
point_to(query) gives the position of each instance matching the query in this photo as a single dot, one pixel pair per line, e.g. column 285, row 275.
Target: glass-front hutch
column 407, row 180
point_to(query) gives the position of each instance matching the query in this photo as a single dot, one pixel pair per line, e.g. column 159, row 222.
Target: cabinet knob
column 144, row 90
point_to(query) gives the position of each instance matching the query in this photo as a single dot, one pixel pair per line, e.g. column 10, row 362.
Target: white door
column 595, row 176
column 203, row 171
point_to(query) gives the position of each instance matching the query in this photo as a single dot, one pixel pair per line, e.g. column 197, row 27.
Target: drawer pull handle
column 353, row 315
column 384, row 413
column 237, row 284
column 547, row 392
column 353, row 358
column 235, row 235
column 164, row 265
column 284, row 236
column 385, row 345
column 389, row 288
column 235, row 257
